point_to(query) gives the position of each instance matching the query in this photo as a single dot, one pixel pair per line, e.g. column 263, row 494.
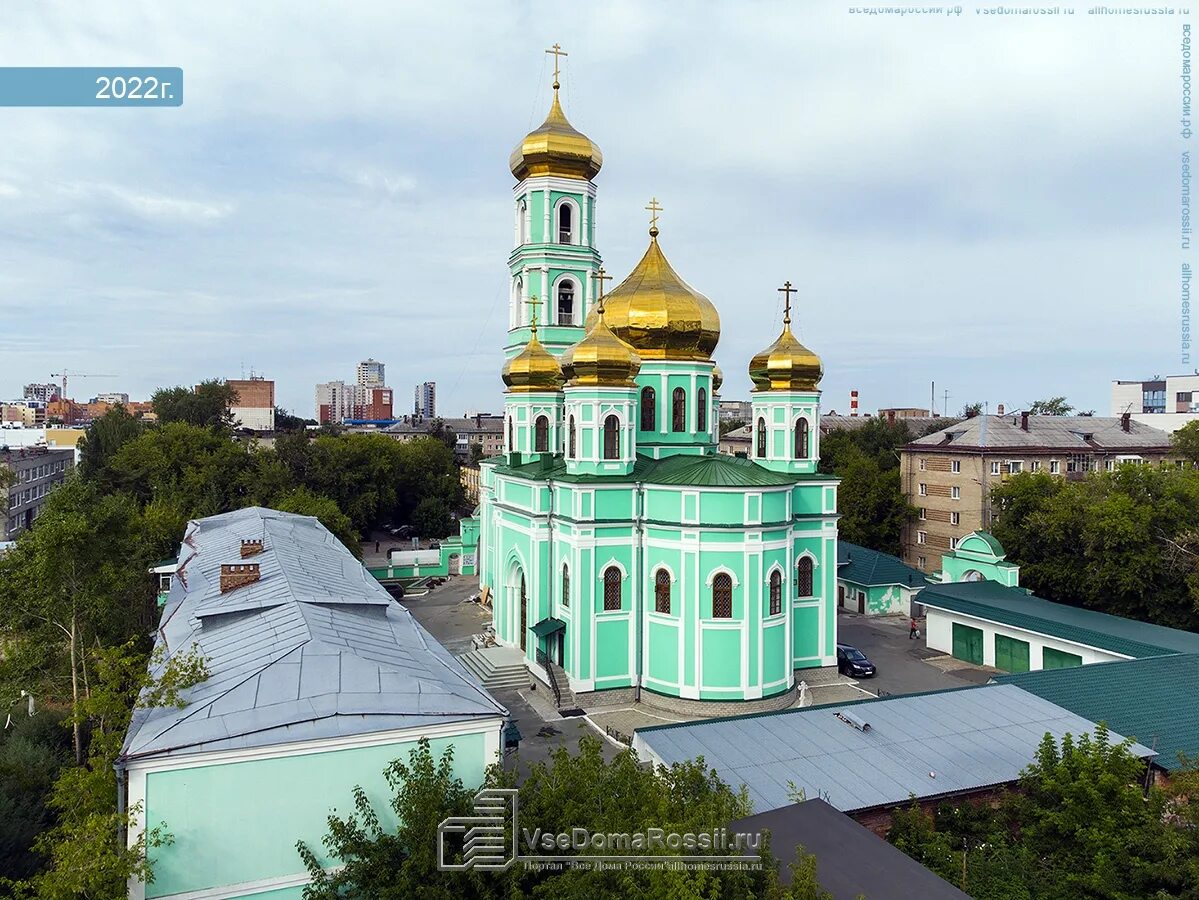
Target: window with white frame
column 995, row 467
column 923, row 489
column 955, row 466
column 922, row 466
column 955, row 518
column 955, row 492
column 1015, row 467
column 923, row 514
column 921, row 537
column 1055, row 467
column 921, row 561
column 953, row 543
column 1034, row 466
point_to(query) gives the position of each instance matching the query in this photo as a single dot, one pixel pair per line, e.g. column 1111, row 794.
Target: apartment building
column 337, row 402
column 424, row 400
column 254, row 408
column 948, row 475
column 1166, row 403
column 372, row 373
column 485, row 430
column 31, row 474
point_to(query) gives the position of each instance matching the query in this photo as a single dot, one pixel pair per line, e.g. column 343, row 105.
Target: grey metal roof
column 967, row 738
column 1079, row 434
column 315, row 649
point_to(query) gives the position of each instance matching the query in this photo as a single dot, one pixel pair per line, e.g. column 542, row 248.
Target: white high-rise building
column 370, row 373
column 424, row 401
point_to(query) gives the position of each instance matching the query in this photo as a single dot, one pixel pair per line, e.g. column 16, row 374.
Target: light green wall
column 240, row 821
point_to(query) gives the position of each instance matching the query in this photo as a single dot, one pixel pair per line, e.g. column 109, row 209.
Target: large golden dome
column 786, row 365
column 658, row 314
column 532, row 370
column 600, row 359
column 717, row 378
column 556, row 148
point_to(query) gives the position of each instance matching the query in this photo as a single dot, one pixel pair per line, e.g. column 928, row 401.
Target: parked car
column 394, row 588
column 853, row 662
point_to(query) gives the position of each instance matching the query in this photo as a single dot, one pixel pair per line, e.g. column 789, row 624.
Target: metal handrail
column 544, row 660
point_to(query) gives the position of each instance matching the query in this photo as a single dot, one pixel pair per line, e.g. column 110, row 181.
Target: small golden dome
column 717, row 378
column 658, row 314
column 786, row 365
column 533, row 369
column 556, row 148
column 600, row 359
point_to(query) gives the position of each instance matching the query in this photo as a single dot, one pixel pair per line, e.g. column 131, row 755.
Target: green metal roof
column 1013, row 606
column 717, row 470
column 987, row 538
column 549, row 626
column 871, row 568
column 1139, row 698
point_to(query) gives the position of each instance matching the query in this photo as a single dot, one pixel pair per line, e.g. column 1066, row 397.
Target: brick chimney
column 1126, row 422
column 251, row 548
column 235, row 575
column 1024, row 421
column 1000, row 410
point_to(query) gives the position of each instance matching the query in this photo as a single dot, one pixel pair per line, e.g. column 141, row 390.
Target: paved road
column 900, row 661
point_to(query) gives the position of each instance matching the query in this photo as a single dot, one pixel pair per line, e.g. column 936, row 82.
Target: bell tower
column 554, row 256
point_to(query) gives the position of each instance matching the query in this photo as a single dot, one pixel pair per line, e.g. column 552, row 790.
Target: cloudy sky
column 987, row 202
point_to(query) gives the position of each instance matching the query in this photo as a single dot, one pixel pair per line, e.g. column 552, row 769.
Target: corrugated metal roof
column 861, row 565
column 1147, row 699
column 1013, row 606
column 968, row 738
column 1080, row 434
column 315, row 649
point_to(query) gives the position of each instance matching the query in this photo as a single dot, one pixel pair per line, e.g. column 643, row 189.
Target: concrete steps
column 498, row 668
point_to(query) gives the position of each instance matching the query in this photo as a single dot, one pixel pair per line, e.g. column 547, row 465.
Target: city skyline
column 999, row 235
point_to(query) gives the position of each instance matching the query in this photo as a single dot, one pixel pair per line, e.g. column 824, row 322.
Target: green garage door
column 1058, row 659
column 1011, row 655
column 968, row 643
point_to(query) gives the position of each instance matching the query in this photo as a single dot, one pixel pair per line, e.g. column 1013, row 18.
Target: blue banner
column 91, row 86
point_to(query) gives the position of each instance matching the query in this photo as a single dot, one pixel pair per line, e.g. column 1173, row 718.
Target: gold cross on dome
column 536, row 304
column 654, row 208
column 557, row 51
column 786, row 290
column 600, row 277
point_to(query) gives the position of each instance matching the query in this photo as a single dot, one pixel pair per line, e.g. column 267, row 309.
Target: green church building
column 624, row 555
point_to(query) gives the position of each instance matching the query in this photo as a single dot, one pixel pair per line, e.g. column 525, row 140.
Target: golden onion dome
column 658, row 314
column 717, row 378
column 533, row 369
column 600, row 359
column 786, row 365
column 556, row 148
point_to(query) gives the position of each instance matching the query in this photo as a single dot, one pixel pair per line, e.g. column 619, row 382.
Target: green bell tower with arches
column 554, row 256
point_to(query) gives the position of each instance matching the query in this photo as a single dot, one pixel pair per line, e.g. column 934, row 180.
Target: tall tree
column 1185, row 442
column 1052, row 406
column 207, row 405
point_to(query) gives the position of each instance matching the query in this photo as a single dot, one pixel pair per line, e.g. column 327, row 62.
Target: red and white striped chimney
column 853, row 403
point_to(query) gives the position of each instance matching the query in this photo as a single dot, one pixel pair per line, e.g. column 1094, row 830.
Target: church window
column 511, row 437
column 524, row 612
column 776, row 592
column 565, row 224
column 523, row 223
column 566, row 302
column 571, row 438
column 662, row 592
column 541, row 435
column 565, row 585
column 803, row 577
column 801, row 439
column 761, row 438
column 611, row 438
column 678, row 410
column 722, row 596
column 701, row 411
column 649, row 409
column 611, row 589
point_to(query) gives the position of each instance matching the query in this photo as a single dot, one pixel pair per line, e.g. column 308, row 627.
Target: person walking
column 914, row 629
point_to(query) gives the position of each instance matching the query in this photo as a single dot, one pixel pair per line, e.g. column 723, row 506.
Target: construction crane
column 63, row 375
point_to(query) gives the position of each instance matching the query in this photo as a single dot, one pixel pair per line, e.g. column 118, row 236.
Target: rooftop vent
column 850, row 719
column 235, row 575
column 251, row 548
column 1126, row 421
column 1024, row 421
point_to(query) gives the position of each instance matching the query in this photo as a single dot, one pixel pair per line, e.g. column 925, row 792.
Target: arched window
column 801, row 439
column 722, row 596
column 803, row 577
column 662, row 592
column 701, row 411
column 522, row 219
column 611, row 588
column 611, row 438
column 541, row 435
column 649, row 409
column 524, row 612
column 761, row 438
column 565, row 585
column 511, row 437
column 518, row 301
column 678, row 410
column 571, row 438
column 776, row 592
column 566, row 300
column 565, row 224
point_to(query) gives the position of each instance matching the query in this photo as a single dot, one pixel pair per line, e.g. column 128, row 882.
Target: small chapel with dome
column 623, row 553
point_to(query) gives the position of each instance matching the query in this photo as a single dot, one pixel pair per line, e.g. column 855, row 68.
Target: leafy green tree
column 1185, row 442
column 727, row 425
column 206, row 406
column 431, row 518
column 104, row 437
column 305, row 503
column 1052, row 406
column 32, row 753
column 869, row 499
column 285, row 421
column 970, row 410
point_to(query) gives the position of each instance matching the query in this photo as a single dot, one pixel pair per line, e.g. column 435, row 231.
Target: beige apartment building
column 948, row 475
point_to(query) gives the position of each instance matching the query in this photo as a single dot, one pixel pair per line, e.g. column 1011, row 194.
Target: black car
column 853, row 662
